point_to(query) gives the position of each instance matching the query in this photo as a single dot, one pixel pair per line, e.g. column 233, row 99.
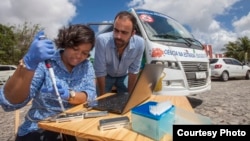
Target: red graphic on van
column 157, row 52
column 146, row 18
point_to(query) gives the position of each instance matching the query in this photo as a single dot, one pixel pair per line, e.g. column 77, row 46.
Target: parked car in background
column 6, row 71
column 227, row 68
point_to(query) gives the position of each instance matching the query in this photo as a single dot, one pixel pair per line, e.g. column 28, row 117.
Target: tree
column 15, row 41
column 24, row 35
column 231, row 50
column 238, row 49
column 7, row 43
column 244, row 47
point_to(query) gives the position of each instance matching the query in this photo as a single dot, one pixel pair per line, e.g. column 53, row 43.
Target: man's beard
column 120, row 43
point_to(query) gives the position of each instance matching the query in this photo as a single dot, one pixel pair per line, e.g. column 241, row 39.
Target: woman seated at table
column 74, row 76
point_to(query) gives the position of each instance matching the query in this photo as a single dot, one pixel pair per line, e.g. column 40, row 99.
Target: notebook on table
column 121, row 103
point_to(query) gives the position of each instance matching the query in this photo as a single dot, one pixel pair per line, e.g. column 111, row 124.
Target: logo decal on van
column 157, row 52
column 146, row 18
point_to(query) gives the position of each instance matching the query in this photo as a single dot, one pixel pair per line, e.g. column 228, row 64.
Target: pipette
column 53, row 78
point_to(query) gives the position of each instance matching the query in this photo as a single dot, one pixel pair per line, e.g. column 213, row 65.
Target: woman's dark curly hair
column 74, row 35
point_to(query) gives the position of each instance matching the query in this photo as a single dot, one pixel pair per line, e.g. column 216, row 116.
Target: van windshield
column 160, row 27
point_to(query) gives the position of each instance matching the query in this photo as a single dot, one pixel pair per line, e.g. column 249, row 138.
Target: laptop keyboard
column 114, row 103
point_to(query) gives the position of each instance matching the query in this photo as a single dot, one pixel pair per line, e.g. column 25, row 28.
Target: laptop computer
column 121, row 103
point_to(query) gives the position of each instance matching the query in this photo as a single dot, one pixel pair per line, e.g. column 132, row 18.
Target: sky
column 213, row 22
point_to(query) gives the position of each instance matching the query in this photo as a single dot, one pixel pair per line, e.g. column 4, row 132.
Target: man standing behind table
column 118, row 55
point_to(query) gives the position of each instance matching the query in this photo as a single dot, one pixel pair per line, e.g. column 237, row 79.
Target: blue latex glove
column 39, row 50
column 64, row 92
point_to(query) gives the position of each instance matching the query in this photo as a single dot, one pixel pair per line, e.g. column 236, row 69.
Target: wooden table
column 88, row 128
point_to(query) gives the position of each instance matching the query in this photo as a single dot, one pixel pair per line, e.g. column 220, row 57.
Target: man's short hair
column 129, row 15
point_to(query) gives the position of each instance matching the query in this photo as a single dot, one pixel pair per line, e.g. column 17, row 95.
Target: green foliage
column 238, row 49
column 15, row 41
column 91, row 60
column 7, row 41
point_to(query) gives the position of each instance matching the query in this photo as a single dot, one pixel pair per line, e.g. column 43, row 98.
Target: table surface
column 88, row 128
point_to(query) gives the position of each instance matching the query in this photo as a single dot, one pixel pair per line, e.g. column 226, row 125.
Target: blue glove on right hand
column 63, row 92
column 40, row 50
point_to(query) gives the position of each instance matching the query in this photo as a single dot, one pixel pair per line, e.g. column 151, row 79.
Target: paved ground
column 227, row 103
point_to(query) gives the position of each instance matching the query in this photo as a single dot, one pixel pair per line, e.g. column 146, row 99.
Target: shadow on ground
column 194, row 101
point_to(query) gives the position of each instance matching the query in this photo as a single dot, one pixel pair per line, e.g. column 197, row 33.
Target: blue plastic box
column 153, row 126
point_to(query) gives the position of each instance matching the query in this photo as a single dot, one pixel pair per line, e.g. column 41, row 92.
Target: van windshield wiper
column 194, row 40
column 169, row 36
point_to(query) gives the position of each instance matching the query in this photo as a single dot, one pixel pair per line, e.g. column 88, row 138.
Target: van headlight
column 167, row 64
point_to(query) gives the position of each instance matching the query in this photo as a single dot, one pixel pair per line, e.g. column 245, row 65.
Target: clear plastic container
column 153, row 126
